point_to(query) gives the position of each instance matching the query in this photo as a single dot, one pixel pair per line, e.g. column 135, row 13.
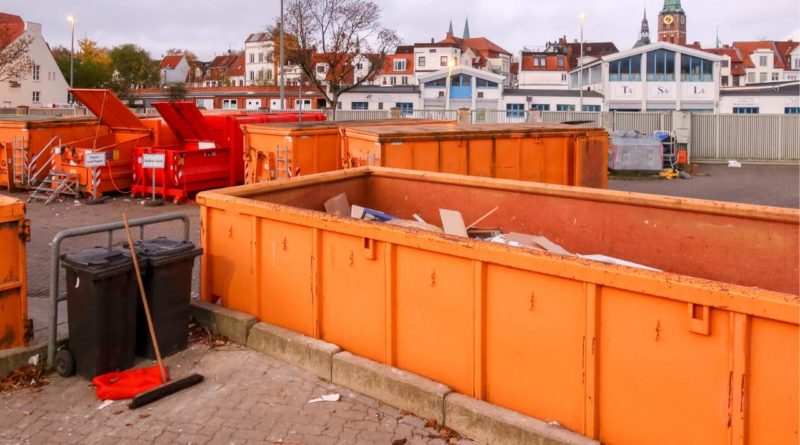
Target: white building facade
column 657, row 77
column 174, row 69
column 44, row 85
column 259, row 55
column 778, row 99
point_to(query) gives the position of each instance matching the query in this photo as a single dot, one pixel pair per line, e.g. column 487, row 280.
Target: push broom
column 167, row 387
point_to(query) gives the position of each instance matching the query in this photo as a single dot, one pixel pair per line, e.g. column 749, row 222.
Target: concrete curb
column 390, row 385
column 15, row 358
column 297, row 349
column 487, row 423
column 223, row 321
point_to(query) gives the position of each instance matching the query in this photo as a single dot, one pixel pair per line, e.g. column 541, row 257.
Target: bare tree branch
column 15, row 63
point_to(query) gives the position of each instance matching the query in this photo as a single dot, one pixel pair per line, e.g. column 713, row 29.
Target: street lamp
column 451, row 62
column 580, row 62
column 282, row 75
column 71, row 19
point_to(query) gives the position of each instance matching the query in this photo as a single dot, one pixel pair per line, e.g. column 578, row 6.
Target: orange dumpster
column 27, row 145
column 551, row 153
column 702, row 348
column 275, row 151
column 14, row 233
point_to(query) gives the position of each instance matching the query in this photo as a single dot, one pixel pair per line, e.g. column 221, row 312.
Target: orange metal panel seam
column 739, row 385
column 590, row 356
column 205, row 265
column 316, row 278
column 255, row 263
column 479, row 331
column 390, row 303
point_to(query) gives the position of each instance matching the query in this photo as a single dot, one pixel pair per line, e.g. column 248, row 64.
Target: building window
column 393, row 80
column 751, row 77
column 724, row 81
column 745, row 110
column 303, row 104
column 561, row 62
column 661, row 66
column 36, row 96
column 359, row 106
column 535, row 61
column 483, row 83
column 443, row 60
column 797, row 63
column 359, row 66
column 320, row 68
column 36, row 71
column 421, row 61
column 405, row 80
column 775, row 76
column 230, row 104
column 515, row 110
column 695, row 69
column 540, row 107
column 563, row 77
column 724, row 64
column 762, row 61
column 592, row 108
column 792, row 110
column 260, row 57
column 400, row 65
column 260, row 74
column 561, row 107
column 625, row 70
column 437, row 83
column 736, row 80
column 252, row 75
column 406, row 108
column 252, row 58
column 762, row 77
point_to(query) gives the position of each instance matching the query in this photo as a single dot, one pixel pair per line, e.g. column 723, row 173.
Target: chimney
column 562, row 40
column 431, row 39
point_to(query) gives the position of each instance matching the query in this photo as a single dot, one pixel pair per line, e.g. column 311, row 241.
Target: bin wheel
column 65, row 363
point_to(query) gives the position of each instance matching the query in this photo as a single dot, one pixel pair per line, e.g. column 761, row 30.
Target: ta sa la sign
column 153, row 160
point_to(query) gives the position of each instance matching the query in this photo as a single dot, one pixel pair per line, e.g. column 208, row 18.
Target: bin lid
column 162, row 247
column 97, row 258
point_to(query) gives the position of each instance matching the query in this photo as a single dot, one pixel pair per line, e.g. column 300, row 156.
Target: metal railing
column 55, row 261
column 499, row 116
column 32, row 178
column 746, row 137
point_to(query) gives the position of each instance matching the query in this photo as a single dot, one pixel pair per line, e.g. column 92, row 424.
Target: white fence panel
column 572, row 116
column 646, row 123
column 498, row 117
column 746, row 137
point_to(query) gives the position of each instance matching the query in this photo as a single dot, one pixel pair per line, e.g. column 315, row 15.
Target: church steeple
column 672, row 23
column 644, row 33
column 450, row 30
column 466, row 29
column 672, row 7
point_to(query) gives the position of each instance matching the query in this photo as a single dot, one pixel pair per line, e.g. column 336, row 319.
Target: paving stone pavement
column 246, row 398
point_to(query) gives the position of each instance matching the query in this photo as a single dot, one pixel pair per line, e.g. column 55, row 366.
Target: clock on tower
column 672, row 23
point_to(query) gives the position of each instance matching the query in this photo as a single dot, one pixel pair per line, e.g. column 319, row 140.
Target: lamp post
column 280, row 68
column 580, row 63
column 450, row 64
column 71, row 19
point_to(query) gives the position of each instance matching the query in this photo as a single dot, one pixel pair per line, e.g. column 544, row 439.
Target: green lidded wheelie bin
column 101, row 308
column 167, row 277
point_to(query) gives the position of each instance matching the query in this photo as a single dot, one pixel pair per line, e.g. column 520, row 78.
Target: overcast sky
column 210, row 27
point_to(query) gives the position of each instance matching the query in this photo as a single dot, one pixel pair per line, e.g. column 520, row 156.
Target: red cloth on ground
column 127, row 384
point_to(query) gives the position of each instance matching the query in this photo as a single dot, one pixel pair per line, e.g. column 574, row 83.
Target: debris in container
column 616, row 261
column 419, row 219
column 537, row 242
column 415, row 225
column 338, row 206
column 359, row 212
column 453, row 222
column 479, row 220
column 28, row 376
column 326, row 398
column 484, row 234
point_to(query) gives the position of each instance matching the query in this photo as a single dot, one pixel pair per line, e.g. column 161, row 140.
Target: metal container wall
column 37, row 133
column 13, row 282
column 710, row 347
column 310, row 147
column 550, row 153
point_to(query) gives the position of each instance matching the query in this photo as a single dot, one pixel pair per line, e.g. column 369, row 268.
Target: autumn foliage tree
column 15, row 63
column 92, row 68
column 336, row 33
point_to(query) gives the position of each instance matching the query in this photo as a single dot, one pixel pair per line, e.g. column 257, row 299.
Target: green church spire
column 466, row 29
column 450, row 30
column 672, row 6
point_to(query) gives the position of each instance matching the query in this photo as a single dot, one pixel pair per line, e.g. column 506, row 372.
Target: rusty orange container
column 550, row 153
column 276, row 151
column 32, row 135
column 14, row 233
column 703, row 351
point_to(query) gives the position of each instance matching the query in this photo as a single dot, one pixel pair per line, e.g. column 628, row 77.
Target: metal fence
column 745, row 137
column 646, row 123
column 499, row 116
column 595, row 119
column 54, row 112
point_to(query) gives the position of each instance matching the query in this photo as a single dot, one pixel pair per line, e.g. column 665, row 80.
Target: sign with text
column 153, row 160
column 94, row 160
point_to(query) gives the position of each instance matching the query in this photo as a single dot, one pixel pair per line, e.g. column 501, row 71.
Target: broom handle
column 144, row 299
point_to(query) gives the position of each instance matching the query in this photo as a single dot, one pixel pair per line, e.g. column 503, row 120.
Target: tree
column 133, row 68
column 15, row 63
column 92, row 67
column 176, row 92
column 190, row 56
column 337, row 33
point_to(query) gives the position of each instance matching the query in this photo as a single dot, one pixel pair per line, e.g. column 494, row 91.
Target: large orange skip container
column 550, row 153
column 705, row 352
column 277, row 151
column 35, row 134
column 14, row 233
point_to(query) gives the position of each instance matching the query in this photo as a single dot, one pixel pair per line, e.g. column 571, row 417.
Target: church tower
column 644, row 33
column 672, row 23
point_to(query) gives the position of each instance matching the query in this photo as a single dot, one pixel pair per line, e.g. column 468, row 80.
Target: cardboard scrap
column 616, row 261
column 338, row 206
column 453, row 223
column 536, row 242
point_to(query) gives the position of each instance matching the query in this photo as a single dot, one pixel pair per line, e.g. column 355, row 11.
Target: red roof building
column 11, row 27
